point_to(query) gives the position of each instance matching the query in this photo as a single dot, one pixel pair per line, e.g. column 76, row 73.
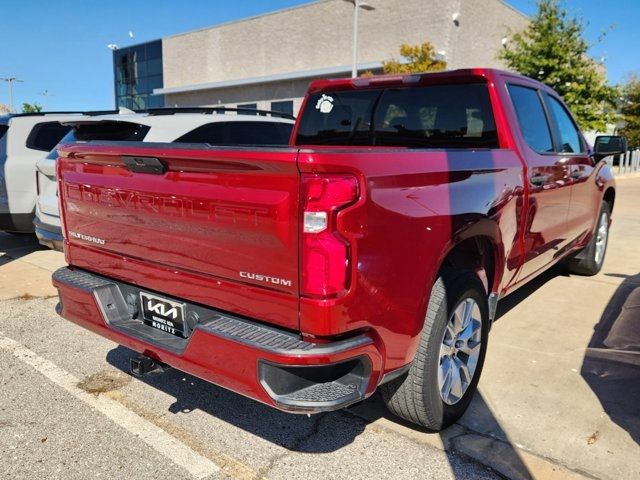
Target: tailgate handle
column 145, row 165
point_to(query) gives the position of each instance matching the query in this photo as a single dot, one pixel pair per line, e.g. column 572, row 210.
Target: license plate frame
column 163, row 314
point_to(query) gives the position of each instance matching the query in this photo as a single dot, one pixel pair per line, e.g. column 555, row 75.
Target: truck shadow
column 323, row 433
column 328, row 432
column 513, row 299
column 611, row 365
column 488, row 437
column 477, row 435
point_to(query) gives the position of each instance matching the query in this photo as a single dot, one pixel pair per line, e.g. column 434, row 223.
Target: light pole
column 357, row 5
column 11, row 81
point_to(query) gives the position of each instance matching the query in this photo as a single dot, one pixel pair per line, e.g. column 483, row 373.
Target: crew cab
column 370, row 252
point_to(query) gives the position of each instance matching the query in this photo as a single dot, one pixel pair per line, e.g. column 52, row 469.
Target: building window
column 137, row 72
column 250, row 106
column 283, row 107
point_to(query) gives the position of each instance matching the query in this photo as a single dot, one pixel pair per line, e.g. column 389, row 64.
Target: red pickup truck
column 371, row 252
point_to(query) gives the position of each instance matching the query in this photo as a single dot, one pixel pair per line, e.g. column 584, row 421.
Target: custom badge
column 325, row 103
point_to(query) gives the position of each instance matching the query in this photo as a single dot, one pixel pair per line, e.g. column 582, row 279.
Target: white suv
column 211, row 125
column 23, row 139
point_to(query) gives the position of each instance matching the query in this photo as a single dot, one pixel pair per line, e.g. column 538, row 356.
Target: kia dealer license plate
column 163, row 314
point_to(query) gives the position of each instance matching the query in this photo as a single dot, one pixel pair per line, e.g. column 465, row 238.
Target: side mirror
column 610, row 145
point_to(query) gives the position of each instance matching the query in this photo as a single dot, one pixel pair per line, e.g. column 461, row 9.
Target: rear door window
column 240, row 133
column 45, row 136
column 435, row 116
column 531, row 118
column 567, row 132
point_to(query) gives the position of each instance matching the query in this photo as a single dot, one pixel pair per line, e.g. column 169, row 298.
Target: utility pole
column 357, row 5
column 11, row 81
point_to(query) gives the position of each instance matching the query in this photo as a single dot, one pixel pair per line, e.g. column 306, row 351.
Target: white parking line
column 169, row 446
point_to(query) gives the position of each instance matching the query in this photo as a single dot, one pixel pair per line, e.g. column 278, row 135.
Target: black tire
column 585, row 262
column 415, row 396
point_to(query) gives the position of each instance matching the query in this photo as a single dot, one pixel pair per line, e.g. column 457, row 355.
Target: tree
column 34, row 107
column 3, row 109
column 630, row 110
column 552, row 50
column 421, row 58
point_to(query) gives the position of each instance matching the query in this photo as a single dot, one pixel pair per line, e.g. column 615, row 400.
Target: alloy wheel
column 601, row 238
column 460, row 351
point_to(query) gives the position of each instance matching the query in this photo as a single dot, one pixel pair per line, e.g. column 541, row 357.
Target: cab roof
column 464, row 74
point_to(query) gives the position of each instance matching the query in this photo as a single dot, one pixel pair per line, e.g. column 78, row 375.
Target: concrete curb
column 496, row 454
column 490, row 452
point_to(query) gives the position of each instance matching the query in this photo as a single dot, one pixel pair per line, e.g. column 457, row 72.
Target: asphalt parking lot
column 559, row 396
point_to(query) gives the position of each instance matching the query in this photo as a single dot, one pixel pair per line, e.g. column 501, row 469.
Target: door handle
column 539, row 180
column 145, row 165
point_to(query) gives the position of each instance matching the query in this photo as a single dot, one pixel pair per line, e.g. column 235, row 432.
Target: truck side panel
column 419, row 204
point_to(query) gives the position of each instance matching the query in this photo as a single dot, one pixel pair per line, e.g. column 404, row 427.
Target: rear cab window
column 431, row 116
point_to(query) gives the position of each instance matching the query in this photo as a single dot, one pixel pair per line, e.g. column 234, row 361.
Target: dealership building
column 267, row 61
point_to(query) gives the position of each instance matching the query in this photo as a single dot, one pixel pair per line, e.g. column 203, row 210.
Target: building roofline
column 287, row 9
column 246, row 19
column 224, row 24
column 278, row 77
column 138, row 44
column 511, row 7
column 274, row 12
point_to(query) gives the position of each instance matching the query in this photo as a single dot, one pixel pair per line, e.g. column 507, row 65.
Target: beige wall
column 261, row 94
column 319, row 35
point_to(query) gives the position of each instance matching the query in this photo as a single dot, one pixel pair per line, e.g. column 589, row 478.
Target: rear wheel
column 590, row 259
column 439, row 386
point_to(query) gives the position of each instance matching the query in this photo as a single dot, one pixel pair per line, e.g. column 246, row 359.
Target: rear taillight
column 325, row 253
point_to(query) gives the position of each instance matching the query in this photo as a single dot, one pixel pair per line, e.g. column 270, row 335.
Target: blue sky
column 60, row 46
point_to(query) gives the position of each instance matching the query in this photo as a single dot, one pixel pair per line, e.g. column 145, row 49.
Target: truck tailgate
column 214, row 226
